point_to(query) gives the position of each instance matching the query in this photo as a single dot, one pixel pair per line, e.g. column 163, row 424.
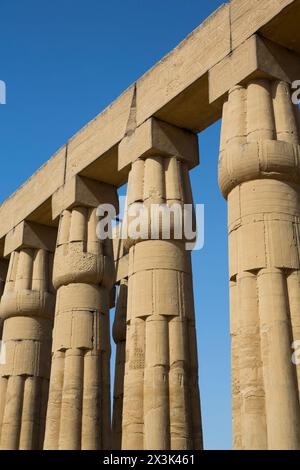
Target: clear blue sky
column 63, row 62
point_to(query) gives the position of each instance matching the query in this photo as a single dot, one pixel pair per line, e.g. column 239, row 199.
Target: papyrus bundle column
column 259, row 174
column 161, row 408
column 78, row 415
column 3, row 274
column 27, row 308
column 119, row 335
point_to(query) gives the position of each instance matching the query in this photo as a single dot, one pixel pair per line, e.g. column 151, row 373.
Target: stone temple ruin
column 58, row 278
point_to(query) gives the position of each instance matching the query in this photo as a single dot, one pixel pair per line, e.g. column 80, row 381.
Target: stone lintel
column 81, row 191
column 157, row 138
column 256, row 57
column 30, row 235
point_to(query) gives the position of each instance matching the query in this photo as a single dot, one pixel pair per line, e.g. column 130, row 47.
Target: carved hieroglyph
column 259, row 174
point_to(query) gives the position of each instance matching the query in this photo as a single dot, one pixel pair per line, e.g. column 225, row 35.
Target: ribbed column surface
column 119, row 334
column 161, row 408
column 78, row 415
column 27, row 308
column 259, row 174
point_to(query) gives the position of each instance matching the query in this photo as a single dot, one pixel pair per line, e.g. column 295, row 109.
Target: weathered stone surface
column 246, row 55
column 119, row 335
column 27, row 310
column 161, row 406
column 187, row 63
column 121, row 255
column 259, row 175
column 99, row 136
column 30, row 235
column 36, row 191
column 78, row 415
column 3, row 274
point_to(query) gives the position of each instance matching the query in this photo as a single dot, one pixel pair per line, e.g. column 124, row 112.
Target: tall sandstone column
column 78, row 415
column 3, row 274
column 259, row 175
column 119, row 335
column 27, row 308
column 161, row 408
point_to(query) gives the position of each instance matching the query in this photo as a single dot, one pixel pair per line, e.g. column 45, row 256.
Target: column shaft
column 281, row 385
column 78, row 415
column 251, row 386
column 119, row 334
column 27, row 307
column 259, row 176
column 3, row 274
column 161, row 408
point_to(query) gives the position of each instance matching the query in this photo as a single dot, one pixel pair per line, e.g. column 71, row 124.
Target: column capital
column 30, row 235
column 84, row 192
column 260, row 135
column 158, row 138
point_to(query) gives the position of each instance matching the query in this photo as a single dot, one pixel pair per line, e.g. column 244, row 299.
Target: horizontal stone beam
column 99, row 139
column 187, row 63
column 33, row 194
column 175, row 91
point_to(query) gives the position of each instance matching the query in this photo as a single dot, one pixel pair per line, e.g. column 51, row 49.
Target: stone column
column 78, row 415
column 3, row 274
column 259, row 176
column 161, row 408
column 119, row 335
column 27, row 308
